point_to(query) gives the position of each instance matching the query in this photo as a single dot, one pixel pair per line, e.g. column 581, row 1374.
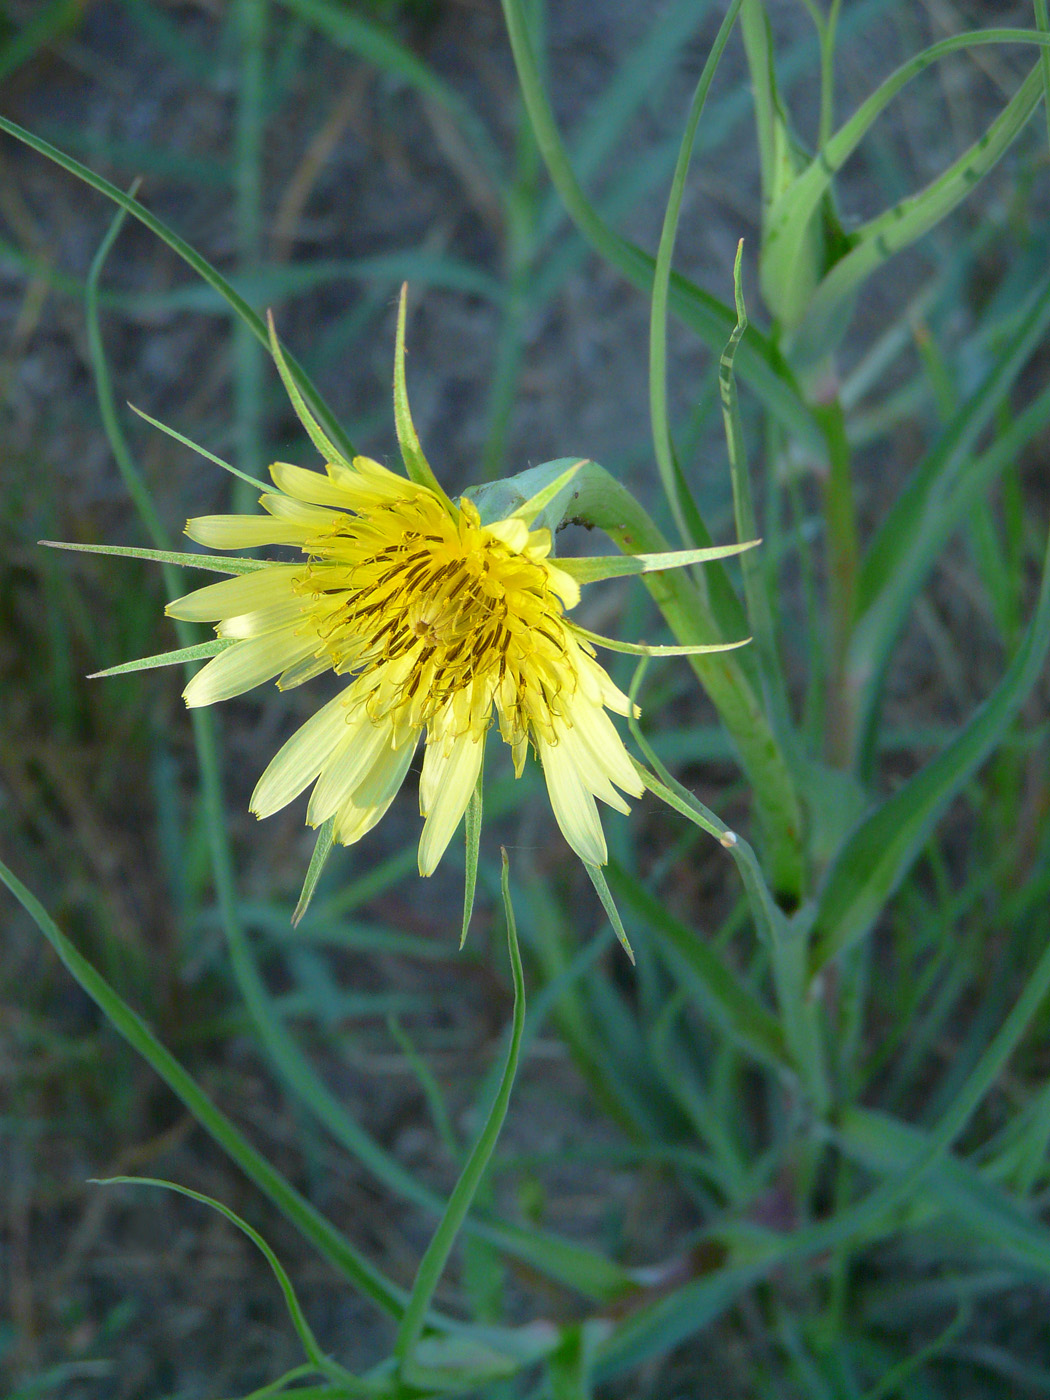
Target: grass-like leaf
column 303, row 1215
column 305, row 1333
column 662, row 445
column 709, row 318
column 878, row 240
column 433, row 1262
column 789, row 217
column 233, row 300
column 472, row 836
column 878, row 855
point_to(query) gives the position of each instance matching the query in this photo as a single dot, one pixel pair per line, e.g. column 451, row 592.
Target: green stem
column 602, row 502
column 843, row 555
column 704, row 314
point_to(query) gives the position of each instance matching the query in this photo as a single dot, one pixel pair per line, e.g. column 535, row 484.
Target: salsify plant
column 831, row 1067
column 441, row 617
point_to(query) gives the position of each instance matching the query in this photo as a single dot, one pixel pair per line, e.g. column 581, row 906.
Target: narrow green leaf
column 196, row 447
column 189, row 255
column 167, row 658
column 416, row 464
column 433, row 1262
column 953, row 1187
column 703, row 313
column 878, row 240
column 1042, row 22
column 600, row 884
column 50, row 22
column 941, row 492
column 228, row 564
column 877, row 856
column 700, row 971
column 790, row 216
column 295, row 1311
column 303, row 1215
column 570, row 1367
column 322, row 850
column 463, row 1362
column 662, row 445
column 653, row 1330
column 596, row 567
column 472, row 829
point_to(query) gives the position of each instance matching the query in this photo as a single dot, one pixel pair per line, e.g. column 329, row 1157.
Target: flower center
column 437, row 617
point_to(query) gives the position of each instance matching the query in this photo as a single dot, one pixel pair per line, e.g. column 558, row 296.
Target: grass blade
column 789, row 218
column 878, row 240
column 433, row 1262
column 304, row 1216
column 662, row 280
column 704, row 314
column 878, row 855
column 295, row 1311
column 236, row 303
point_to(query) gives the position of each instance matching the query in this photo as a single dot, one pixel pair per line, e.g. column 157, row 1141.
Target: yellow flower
column 442, row 621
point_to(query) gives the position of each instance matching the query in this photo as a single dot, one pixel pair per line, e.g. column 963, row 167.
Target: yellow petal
column 287, row 613
column 347, row 766
column 572, row 804
column 299, row 761
column 235, row 596
column 451, row 779
column 246, row 665
column 244, row 531
column 314, row 487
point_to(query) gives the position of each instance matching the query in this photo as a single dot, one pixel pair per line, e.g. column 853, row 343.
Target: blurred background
column 319, row 153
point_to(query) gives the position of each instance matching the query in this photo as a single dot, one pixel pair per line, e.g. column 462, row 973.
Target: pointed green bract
column 594, row 568
column 329, row 1241
column 314, row 431
column 640, row 649
column 601, row 885
column 196, row 447
column 416, row 465
column 543, row 498
column 472, row 830
column 322, row 850
column 227, row 565
column 167, row 658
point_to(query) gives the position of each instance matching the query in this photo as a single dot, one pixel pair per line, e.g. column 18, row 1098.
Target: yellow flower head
column 441, row 621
